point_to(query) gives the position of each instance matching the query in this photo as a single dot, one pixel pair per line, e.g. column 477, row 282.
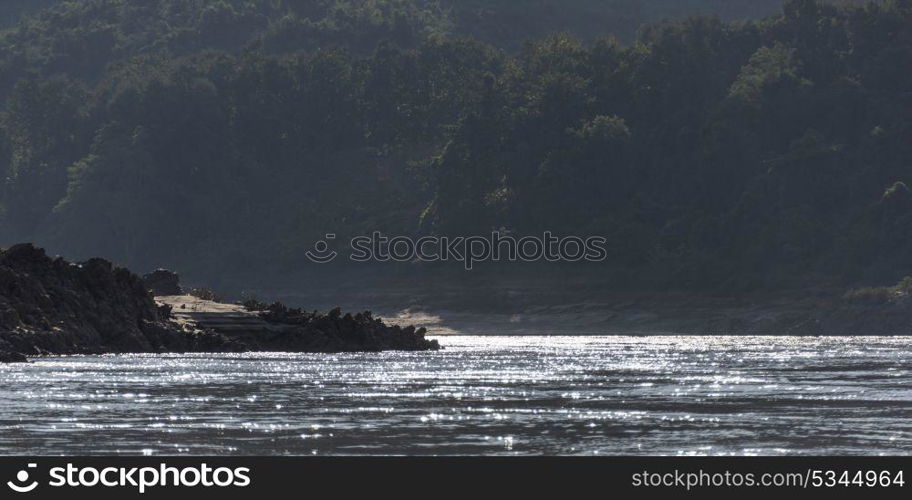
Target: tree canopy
column 710, row 153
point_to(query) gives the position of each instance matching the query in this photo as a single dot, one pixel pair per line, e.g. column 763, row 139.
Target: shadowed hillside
column 712, row 155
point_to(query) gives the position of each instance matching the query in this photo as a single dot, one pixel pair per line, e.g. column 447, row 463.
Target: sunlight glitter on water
column 481, row 395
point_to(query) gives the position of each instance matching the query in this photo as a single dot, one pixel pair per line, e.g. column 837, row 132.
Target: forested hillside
column 12, row 11
column 82, row 37
column 501, row 22
column 233, row 134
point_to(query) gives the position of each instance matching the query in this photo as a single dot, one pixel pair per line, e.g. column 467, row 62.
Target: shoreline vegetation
column 49, row 306
column 764, row 153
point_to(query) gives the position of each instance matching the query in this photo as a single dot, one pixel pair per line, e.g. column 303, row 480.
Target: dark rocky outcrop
column 335, row 332
column 162, row 282
column 12, row 357
column 51, row 306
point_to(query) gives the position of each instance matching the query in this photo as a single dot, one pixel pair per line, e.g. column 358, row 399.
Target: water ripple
column 481, row 395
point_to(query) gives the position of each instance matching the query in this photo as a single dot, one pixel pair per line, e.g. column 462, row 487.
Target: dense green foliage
column 12, row 11
column 82, row 37
column 880, row 294
column 711, row 154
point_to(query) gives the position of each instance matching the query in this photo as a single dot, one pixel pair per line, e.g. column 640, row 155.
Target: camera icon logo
column 20, row 484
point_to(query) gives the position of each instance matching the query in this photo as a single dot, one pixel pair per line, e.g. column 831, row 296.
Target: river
column 482, row 395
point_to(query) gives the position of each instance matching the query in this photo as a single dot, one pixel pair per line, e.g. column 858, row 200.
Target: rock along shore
column 49, row 306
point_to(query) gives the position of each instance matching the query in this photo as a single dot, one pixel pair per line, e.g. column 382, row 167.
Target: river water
column 491, row 395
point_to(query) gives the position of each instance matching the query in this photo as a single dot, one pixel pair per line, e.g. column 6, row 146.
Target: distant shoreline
column 791, row 313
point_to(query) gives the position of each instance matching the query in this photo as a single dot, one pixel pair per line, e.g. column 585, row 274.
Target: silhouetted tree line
column 231, row 133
